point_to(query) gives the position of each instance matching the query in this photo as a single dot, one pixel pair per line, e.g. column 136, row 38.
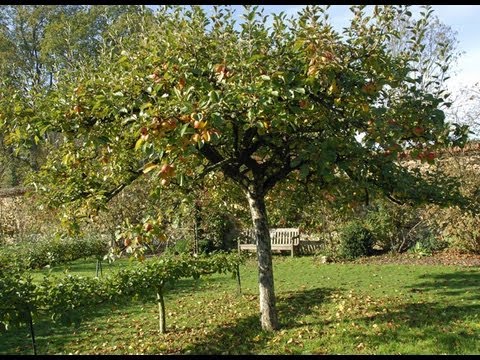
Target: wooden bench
column 280, row 239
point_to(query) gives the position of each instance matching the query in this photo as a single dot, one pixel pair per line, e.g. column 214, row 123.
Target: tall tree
column 435, row 45
column 466, row 108
column 185, row 94
column 36, row 43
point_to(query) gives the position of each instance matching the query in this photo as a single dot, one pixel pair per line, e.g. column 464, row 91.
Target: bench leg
column 292, row 251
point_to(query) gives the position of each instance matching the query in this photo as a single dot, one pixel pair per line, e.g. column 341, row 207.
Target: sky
column 464, row 19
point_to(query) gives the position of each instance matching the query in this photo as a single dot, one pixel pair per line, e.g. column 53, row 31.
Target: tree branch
column 212, row 155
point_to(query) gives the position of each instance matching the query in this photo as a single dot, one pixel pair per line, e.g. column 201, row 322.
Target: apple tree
column 260, row 99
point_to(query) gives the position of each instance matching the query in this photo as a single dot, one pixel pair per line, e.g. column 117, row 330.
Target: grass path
column 323, row 308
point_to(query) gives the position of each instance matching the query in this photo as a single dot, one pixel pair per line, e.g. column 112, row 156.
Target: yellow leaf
column 149, row 167
column 333, row 89
column 206, row 135
column 139, row 143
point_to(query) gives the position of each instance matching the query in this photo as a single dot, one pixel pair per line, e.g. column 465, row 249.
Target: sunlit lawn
column 323, row 308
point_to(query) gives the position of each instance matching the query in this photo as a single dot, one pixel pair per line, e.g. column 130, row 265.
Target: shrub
column 398, row 228
column 458, row 229
column 381, row 223
column 34, row 254
column 355, row 241
column 218, row 232
column 60, row 297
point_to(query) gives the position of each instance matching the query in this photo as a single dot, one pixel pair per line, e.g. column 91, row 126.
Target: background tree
column 466, row 108
column 435, row 45
column 36, row 42
column 184, row 94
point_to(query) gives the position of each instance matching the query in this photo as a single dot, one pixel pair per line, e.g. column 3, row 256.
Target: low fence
column 310, row 247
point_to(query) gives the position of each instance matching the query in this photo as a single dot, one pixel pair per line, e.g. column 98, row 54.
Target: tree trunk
column 268, row 311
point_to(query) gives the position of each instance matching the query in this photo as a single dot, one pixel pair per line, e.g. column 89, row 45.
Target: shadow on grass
column 428, row 325
column 246, row 336
column 465, row 284
column 449, row 327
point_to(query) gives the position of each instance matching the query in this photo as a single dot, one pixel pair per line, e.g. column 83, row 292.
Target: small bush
column 430, row 242
column 458, row 229
column 34, row 254
column 398, row 228
column 355, row 241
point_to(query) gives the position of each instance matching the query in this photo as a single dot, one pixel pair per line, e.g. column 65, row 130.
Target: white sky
column 465, row 20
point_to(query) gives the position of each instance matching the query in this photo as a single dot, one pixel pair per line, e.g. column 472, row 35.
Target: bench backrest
column 278, row 236
column 284, row 236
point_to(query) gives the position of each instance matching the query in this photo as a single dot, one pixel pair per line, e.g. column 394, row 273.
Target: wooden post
column 32, row 333
column 161, row 310
column 99, row 268
column 239, row 283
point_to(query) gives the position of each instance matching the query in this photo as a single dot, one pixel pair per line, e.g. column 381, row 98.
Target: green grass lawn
column 323, row 308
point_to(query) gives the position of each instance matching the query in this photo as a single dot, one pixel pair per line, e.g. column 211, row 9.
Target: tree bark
column 268, row 311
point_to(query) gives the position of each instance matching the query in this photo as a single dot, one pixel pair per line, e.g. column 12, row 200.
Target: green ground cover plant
column 342, row 308
column 48, row 251
column 60, row 298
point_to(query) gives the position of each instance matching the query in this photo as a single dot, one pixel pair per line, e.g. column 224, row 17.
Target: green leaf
column 295, row 162
column 145, row 106
column 184, row 129
column 213, row 95
column 304, row 171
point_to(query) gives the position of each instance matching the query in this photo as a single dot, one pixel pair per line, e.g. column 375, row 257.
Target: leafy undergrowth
column 324, row 309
